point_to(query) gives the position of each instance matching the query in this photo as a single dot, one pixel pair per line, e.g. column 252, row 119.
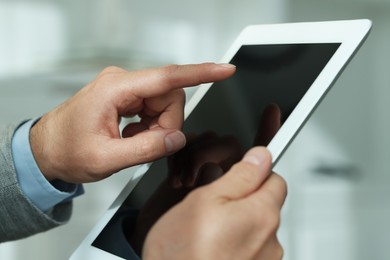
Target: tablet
column 283, row 68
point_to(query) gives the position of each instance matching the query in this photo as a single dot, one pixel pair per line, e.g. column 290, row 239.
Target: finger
column 273, row 190
column 271, row 250
column 167, row 110
column 269, row 125
column 208, row 173
column 246, row 176
column 144, row 147
column 154, row 82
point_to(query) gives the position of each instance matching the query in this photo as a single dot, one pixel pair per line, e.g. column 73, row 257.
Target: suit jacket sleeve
column 19, row 217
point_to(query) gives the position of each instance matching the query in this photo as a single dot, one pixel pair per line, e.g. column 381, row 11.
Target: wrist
column 37, row 143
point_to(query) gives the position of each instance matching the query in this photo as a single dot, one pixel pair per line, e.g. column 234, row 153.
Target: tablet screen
column 228, row 116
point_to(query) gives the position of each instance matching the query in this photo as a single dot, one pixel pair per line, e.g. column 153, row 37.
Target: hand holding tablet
column 235, row 217
column 291, row 66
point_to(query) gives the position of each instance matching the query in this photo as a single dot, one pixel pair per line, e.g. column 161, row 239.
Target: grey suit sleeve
column 18, row 216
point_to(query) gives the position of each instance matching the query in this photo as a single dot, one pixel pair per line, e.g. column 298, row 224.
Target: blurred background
column 337, row 169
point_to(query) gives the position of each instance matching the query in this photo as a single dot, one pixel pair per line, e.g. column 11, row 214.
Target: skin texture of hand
column 80, row 140
column 165, row 197
column 234, row 217
column 205, row 158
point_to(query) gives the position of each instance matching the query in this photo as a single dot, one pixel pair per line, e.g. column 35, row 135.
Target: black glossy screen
column 230, row 112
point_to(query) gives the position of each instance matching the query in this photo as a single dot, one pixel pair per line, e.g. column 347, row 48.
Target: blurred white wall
column 338, row 167
column 31, row 33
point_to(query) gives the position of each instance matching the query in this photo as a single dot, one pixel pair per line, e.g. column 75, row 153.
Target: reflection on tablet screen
column 233, row 116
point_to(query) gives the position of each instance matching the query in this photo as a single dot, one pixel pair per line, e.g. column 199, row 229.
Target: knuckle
column 111, row 69
column 279, row 251
column 107, row 75
column 176, row 97
column 269, row 196
column 270, row 220
column 180, row 98
column 104, row 79
column 170, row 69
column 245, row 174
column 169, row 74
column 282, row 182
column 145, row 150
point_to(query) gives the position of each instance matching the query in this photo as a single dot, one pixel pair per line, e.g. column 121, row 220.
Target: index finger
column 153, row 82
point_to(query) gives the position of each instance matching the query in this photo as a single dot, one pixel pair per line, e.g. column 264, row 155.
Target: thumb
column 246, row 176
column 146, row 146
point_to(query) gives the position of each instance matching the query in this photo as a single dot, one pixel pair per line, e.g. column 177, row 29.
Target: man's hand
column 234, row 217
column 80, row 141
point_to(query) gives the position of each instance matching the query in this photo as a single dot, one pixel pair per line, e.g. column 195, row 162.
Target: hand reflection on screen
column 206, row 148
column 269, row 125
column 205, row 158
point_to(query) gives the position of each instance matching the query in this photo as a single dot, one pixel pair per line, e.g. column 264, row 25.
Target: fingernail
column 255, row 157
column 227, row 65
column 174, row 141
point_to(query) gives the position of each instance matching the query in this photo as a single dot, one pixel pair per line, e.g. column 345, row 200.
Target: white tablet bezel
column 349, row 33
